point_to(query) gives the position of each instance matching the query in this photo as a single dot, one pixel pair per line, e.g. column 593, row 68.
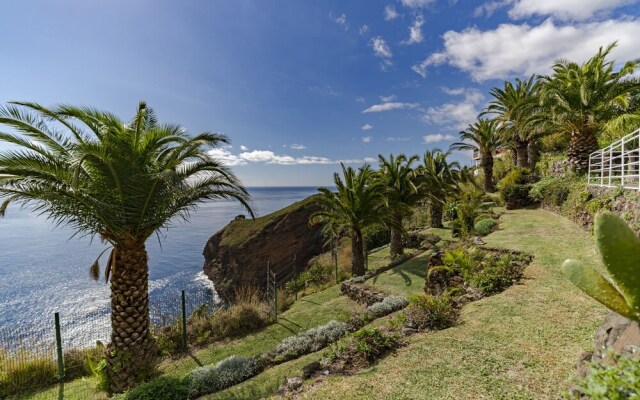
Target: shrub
column 485, row 226
column 388, row 305
column 430, row 312
column 516, row 195
column 78, row 362
column 494, row 276
column 361, row 348
column 310, row 341
column 226, row 373
column 27, row 373
column 552, row 191
column 162, row 388
column 617, row 378
column 376, row 236
column 516, row 176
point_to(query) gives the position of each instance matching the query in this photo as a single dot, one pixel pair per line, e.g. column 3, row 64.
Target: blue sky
column 300, row 85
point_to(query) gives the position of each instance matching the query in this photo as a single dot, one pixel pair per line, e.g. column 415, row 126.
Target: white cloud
column 226, row 157
column 523, row 49
column 490, row 7
column 564, row 9
column 437, row 137
column 380, row 47
column 370, row 159
column 366, row 139
column 457, row 115
column 453, row 92
column 386, row 99
column 390, row 106
column 340, row 20
column 390, row 13
column 363, row 29
column 360, row 99
column 397, row 139
column 417, row 3
column 244, row 148
column 415, row 31
column 366, row 127
column 297, row 146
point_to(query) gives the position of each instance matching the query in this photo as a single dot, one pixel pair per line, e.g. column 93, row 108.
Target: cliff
column 237, row 255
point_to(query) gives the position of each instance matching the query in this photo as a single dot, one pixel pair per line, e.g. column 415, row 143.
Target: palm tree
column 482, row 137
column 580, row 100
column 356, row 205
column 401, row 192
column 440, row 179
column 120, row 182
column 513, row 106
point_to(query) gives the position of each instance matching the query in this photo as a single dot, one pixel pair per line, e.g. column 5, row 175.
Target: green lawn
column 521, row 344
column 406, row 279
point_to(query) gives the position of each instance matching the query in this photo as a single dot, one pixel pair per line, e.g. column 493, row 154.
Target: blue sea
column 44, row 269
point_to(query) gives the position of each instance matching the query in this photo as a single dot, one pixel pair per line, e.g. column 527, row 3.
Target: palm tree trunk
column 487, row 168
column 435, row 214
column 532, row 153
column 357, row 256
column 396, row 247
column 514, row 156
column 581, row 145
column 522, row 154
column 131, row 355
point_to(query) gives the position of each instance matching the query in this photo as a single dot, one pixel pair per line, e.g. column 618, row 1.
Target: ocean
column 44, row 269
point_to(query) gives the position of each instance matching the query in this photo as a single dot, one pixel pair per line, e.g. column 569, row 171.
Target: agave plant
column 619, row 288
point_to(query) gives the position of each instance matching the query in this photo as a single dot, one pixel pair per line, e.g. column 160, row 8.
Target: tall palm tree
column 118, row 181
column 355, row 205
column 401, row 192
column 513, row 107
column 581, row 99
column 440, row 179
column 482, row 137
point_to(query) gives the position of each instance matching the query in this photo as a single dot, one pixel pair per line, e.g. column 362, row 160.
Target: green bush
column 162, row 388
column 516, row 195
column 516, row 176
column 430, row 312
column 493, row 276
column 554, row 192
column 485, row 226
column 615, row 379
column 212, row 378
column 376, row 236
column 367, row 343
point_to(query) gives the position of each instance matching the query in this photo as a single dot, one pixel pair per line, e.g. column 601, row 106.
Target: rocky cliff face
column 238, row 254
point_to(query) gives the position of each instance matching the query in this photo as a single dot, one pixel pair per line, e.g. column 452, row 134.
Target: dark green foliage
column 617, row 378
column 485, row 226
column 376, row 236
column 493, row 276
column 162, row 388
column 362, row 348
column 78, row 362
column 317, row 275
column 516, row 196
column 426, row 312
column 464, row 211
column 551, row 191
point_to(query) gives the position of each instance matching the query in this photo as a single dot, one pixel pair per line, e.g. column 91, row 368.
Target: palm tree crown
column 401, row 192
column 355, row 205
column 440, row 179
column 482, row 137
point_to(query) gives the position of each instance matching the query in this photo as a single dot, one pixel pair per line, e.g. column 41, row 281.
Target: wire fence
column 50, row 352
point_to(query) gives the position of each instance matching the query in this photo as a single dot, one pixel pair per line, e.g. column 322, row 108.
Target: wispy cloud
column 269, row 157
column 436, row 138
column 360, row 99
column 380, row 47
column 366, row 127
column 390, row 106
column 390, row 12
column 297, row 146
column 324, row 90
column 366, row 139
column 397, row 139
column 457, row 115
column 386, row 99
column 417, row 3
column 340, row 20
column 244, row 148
column 363, row 29
column 453, row 92
column 415, row 31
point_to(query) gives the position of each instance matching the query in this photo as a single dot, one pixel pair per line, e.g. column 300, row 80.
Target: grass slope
column 520, row 344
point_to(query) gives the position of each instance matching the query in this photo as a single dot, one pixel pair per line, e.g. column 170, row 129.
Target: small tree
column 482, row 137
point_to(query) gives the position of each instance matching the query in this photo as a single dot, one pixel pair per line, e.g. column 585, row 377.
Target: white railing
column 617, row 165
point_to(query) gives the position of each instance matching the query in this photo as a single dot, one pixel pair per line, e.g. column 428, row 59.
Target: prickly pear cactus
column 619, row 248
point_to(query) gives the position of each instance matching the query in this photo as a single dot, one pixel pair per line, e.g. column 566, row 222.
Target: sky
column 299, row 85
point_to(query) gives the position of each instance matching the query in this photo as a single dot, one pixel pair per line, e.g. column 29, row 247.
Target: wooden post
column 56, row 318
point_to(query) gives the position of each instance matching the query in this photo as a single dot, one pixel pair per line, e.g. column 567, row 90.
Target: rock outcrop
column 238, row 254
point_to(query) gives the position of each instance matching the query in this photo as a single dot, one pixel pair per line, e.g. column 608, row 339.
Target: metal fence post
column 184, row 321
column 56, row 318
column 275, row 296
